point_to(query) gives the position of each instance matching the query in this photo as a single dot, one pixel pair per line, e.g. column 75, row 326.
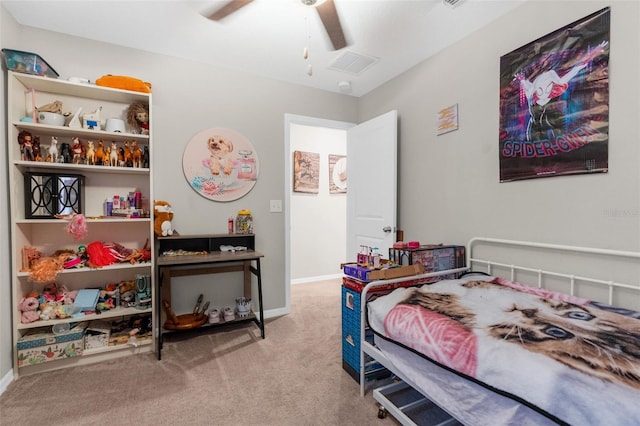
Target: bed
column 510, row 344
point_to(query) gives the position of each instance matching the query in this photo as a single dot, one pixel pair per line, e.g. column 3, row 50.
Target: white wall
column 318, row 221
column 449, row 188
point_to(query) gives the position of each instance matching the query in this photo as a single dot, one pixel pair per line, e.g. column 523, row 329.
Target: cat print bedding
column 573, row 360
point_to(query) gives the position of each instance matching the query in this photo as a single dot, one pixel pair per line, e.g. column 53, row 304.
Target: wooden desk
column 212, row 263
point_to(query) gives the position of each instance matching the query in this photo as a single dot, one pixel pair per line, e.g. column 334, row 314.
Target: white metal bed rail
column 541, row 273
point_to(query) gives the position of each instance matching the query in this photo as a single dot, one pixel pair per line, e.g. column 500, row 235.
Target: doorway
column 315, row 223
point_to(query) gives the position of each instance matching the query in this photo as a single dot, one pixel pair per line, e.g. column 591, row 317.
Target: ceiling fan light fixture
column 452, row 3
column 312, row 3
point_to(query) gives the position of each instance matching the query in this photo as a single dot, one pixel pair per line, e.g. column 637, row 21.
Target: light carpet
column 230, row 377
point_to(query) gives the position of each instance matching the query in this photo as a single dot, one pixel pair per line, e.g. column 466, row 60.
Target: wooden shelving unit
column 24, row 92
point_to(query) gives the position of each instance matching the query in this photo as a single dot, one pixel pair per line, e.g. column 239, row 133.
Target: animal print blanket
column 574, row 360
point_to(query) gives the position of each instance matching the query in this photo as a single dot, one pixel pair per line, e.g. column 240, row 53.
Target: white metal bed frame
column 367, row 348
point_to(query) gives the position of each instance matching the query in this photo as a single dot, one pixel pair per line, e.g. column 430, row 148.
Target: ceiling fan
column 326, row 11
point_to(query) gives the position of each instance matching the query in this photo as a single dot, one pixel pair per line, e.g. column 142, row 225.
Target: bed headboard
column 603, row 275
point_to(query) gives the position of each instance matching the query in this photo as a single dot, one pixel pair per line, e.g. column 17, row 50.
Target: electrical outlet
column 275, row 206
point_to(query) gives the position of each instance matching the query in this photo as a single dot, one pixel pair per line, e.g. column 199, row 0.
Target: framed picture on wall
column 554, row 102
column 337, row 174
column 220, row 164
column 306, row 172
column 447, row 120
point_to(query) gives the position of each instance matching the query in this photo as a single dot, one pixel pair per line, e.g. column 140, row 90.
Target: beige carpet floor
column 231, row 377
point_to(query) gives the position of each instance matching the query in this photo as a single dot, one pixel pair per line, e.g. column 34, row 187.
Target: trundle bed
column 509, row 342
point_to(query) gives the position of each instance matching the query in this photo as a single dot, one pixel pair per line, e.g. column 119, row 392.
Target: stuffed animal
column 124, row 82
column 162, row 225
column 29, row 308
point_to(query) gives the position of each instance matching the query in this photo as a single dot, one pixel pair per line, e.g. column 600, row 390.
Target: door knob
column 387, row 229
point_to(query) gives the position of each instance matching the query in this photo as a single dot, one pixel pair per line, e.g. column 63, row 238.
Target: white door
column 372, row 184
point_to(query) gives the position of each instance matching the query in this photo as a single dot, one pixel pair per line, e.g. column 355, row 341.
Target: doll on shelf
column 25, row 139
column 138, row 118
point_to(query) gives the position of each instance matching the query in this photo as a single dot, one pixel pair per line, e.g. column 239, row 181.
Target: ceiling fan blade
column 331, row 21
column 228, row 9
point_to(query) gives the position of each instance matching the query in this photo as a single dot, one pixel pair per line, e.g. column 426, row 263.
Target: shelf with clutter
column 73, row 147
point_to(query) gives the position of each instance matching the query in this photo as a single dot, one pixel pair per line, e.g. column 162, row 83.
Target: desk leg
column 259, row 275
column 164, row 292
column 247, row 279
column 158, row 302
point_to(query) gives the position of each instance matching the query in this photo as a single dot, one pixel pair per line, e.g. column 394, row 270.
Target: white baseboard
column 273, row 313
column 6, row 381
column 314, row 279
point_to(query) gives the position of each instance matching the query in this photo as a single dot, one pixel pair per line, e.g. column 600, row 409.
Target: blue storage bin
column 28, row 63
column 351, row 302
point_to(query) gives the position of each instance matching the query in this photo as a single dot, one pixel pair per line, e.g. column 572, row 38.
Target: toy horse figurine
column 145, row 158
column 128, row 161
column 101, row 158
column 91, row 153
column 53, row 149
column 136, row 154
column 113, row 155
column 65, row 153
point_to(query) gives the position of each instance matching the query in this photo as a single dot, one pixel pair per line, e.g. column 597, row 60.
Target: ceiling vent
column 452, row 3
column 353, row 63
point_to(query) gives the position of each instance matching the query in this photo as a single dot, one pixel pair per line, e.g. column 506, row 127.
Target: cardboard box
column 97, row 335
column 38, row 346
column 366, row 274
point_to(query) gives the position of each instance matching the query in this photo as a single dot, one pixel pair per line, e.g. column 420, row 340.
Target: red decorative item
column 99, row 255
column 413, row 244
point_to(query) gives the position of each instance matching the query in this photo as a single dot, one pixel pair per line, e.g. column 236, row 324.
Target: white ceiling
column 267, row 37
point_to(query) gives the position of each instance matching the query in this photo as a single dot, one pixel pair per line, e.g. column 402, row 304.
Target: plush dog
column 220, row 159
column 162, row 225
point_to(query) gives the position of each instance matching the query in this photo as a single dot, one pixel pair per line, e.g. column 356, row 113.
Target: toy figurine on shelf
column 138, row 118
column 37, row 152
column 53, row 149
column 91, row 153
column 25, row 139
column 136, row 154
column 78, row 151
column 101, row 155
column 113, row 155
column 145, row 158
column 128, row 162
column 65, row 153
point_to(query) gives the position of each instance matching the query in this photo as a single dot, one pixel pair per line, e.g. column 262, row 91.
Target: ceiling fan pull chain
column 305, row 51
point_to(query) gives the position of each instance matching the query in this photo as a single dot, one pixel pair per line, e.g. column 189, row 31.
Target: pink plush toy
column 28, row 306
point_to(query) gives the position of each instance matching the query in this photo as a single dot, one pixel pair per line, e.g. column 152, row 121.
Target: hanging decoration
column 220, row 164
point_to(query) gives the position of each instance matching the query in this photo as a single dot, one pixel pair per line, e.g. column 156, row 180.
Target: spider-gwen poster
column 554, row 103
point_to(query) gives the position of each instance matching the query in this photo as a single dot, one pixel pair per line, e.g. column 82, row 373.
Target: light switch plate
column 275, row 206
